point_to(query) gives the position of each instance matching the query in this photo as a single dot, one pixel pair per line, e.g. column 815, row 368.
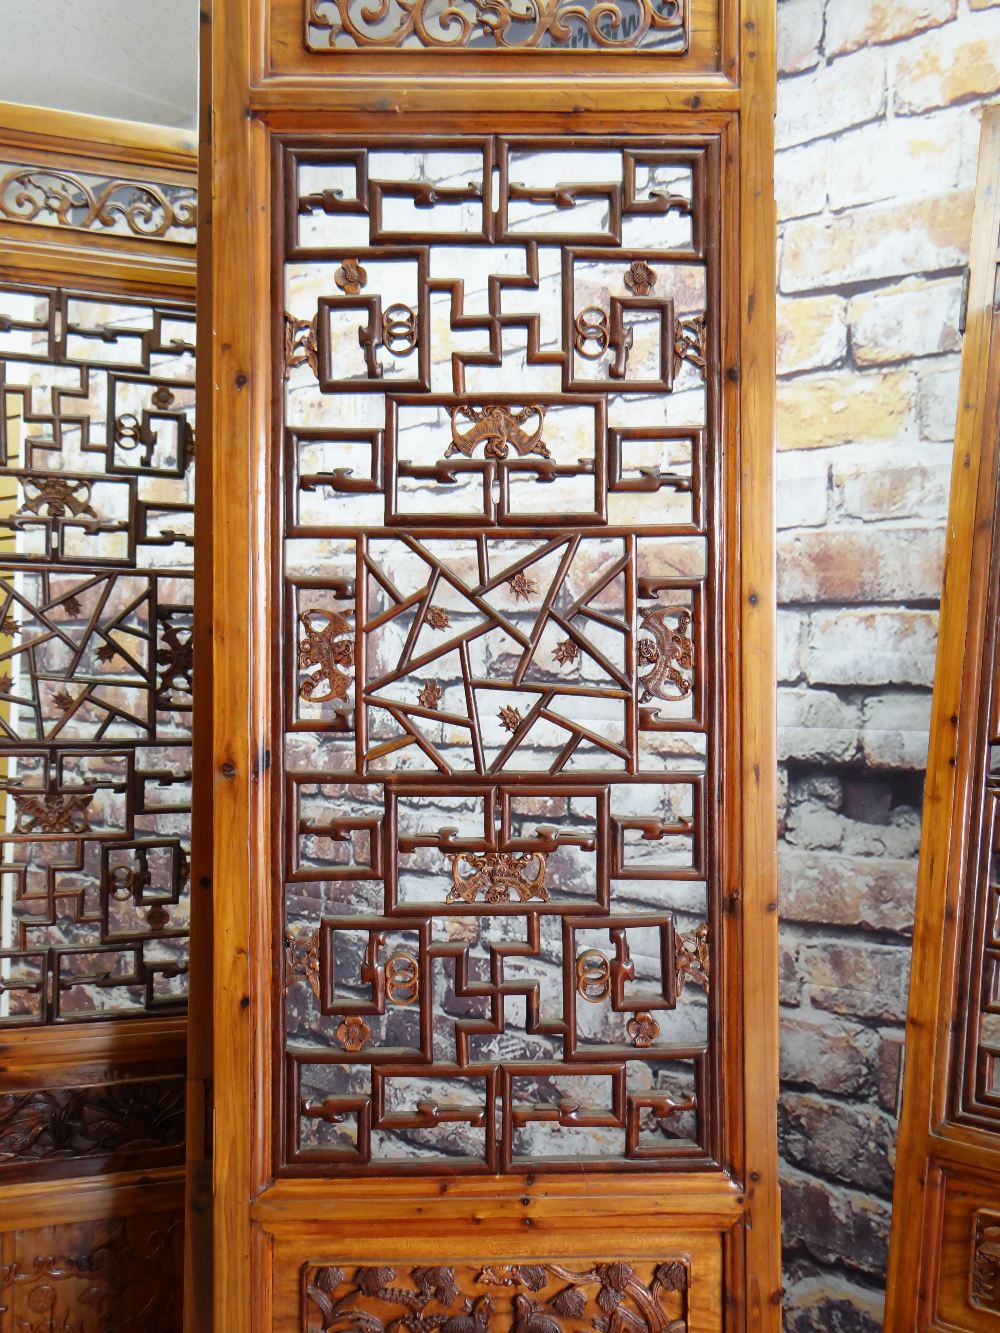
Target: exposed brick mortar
column 886, row 476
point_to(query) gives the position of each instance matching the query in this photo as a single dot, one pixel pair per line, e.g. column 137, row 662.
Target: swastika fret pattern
column 96, row 533
column 500, row 590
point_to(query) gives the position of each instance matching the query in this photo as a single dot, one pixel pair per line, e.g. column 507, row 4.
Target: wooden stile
column 944, row 1260
column 492, row 366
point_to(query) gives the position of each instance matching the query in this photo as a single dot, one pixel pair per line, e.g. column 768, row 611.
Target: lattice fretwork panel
column 96, row 515
column 500, row 653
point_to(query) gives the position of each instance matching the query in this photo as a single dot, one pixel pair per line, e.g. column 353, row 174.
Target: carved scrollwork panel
column 48, row 196
column 659, row 26
column 501, row 679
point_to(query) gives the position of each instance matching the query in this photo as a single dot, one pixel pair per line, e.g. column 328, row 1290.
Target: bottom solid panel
column 677, row 1290
column 120, row 1275
column 968, row 1293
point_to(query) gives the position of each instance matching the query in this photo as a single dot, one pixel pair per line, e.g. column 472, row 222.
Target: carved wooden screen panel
column 96, row 615
column 485, row 742
column 500, row 729
column 946, row 1238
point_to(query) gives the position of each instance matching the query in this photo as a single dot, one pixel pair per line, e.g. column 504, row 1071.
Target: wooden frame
column 258, row 87
column 948, row 1166
column 87, row 1200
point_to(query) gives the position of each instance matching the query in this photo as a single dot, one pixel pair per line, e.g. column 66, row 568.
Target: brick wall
column 879, row 103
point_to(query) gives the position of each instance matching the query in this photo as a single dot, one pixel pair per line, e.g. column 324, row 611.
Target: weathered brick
column 817, row 725
column 815, row 826
column 846, row 92
column 896, row 727
column 874, row 892
column 912, row 319
column 937, row 400
column 860, row 980
column 870, row 829
column 890, row 484
column 890, row 159
column 789, row 980
column 874, row 646
column 832, row 1304
column 849, row 27
column 852, row 1144
column 860, row 565
column 812, row 332
column 816, row 411
column 825, row 1053
column 800, row 31
column 835, row 1225
column 800, row 180
column 878, row 241
column 803, row 489
column 792, row 628
column 960, row 62
column 888, row 1062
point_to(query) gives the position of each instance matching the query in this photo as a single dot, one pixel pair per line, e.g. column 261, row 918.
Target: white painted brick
column 800, row 31
column 848, row 91
column 872, row 646
column 849, row 26
column 891, row 159
column 896, row 726
column 792, row 630
column 872, row 483
column 817, row 725
column 911, row 319
column 887, row 240
column 937, row 400
column 803, row 489
column 800, row 180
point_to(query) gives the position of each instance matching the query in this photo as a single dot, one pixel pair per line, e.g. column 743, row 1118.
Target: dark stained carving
column 669, row 653
column 693, row 959
column 323, row 645
column 107, row 1120
column 55, row 811
column 112, row 1276
column 56, row 496
column 500, row 877
column 985, row 1279
column 499, row 1298
column 497, row 428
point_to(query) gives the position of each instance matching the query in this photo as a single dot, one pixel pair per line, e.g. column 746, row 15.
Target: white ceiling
column 131, row 59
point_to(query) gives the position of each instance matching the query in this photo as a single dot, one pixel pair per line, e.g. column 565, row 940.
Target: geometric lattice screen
column 96, row 534
column 501, row 678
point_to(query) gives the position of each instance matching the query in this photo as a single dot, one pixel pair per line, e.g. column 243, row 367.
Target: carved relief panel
column 112, row 1276
column 500, row 665
column 501, row 1298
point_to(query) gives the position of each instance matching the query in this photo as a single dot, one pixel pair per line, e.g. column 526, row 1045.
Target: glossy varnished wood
column 948, row 1167
column 262, row 83
column 89, row 1198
